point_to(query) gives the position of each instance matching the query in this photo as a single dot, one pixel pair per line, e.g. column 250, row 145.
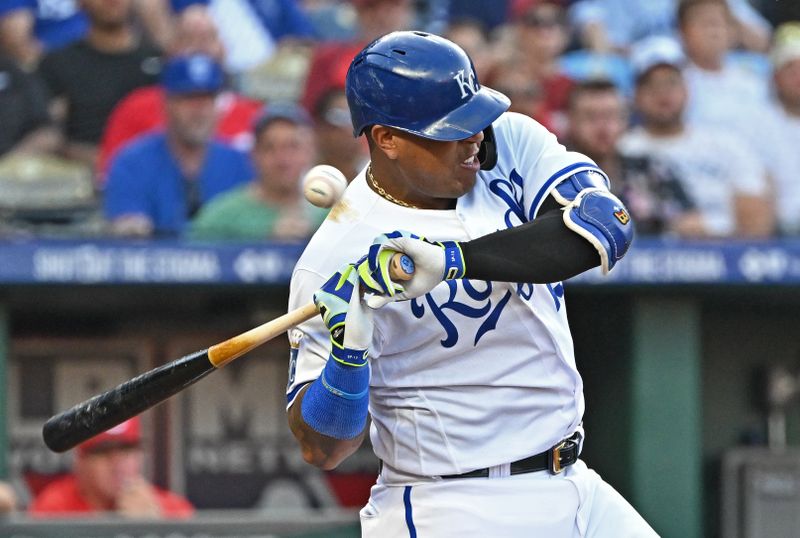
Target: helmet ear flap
column 487, row 153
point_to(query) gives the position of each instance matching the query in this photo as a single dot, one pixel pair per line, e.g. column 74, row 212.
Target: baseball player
column 467, row 370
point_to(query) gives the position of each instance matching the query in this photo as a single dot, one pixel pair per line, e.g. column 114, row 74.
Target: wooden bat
column 104, row 411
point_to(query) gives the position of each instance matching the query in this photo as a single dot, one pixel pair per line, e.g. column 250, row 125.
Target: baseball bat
column 104, row 411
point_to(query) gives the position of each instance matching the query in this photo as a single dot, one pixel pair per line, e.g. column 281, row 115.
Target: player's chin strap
column 487, row 153
column 595, row 214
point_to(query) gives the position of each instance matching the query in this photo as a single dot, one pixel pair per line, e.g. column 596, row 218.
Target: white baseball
column 323, row 185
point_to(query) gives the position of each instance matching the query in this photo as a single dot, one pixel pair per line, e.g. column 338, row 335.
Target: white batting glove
column 433, row 263
column 345, row 315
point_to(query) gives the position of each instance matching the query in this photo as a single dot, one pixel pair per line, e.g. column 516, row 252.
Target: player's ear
column 385, row 139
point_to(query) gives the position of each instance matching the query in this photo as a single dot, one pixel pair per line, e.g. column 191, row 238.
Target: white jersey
column 475, row 373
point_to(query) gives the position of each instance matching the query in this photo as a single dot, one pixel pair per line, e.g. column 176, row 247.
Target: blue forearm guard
column 336, row 404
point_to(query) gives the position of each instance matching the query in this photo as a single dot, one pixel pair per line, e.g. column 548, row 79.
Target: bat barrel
column 102, row 412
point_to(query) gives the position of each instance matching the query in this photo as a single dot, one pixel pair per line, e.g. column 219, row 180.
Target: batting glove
column 336, row 404
column 434, row 262
column 344, row 313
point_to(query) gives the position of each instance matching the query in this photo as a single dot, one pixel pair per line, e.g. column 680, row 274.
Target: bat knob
column 407, row 264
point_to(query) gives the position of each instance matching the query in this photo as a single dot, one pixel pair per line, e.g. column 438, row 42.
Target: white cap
column 786, row 44
column 654, row 51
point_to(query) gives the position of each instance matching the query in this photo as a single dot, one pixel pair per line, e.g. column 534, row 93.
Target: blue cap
column 195, row 73
column 290, row 112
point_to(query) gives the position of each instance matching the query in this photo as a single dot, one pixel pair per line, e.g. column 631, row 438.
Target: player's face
column 433, row 173
column 597, row 120
column 661, row 96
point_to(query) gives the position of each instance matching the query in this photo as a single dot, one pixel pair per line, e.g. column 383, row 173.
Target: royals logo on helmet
column 466, row 82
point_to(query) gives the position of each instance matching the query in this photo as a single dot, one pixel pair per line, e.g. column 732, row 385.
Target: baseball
column 323, row 185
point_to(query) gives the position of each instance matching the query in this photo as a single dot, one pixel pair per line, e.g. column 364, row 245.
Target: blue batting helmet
column 422, row 84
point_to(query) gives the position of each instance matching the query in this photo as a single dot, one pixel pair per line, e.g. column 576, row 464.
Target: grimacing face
column 430, row 171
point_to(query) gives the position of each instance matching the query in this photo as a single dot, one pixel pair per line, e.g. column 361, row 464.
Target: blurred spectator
column 526, row 94
column 8, row 499
column 375, row 18
column 330, row 60
column 722, row 93
column 723, row 178
column 159, row 181
column 650, row 189
column 324, row 97
column 23, row 107
column 786, row 112
column 336, row 144
column 471, row 36
column 491, row 14
column 89, row 77
column 252, row 30
column 327, row 71
column 272, row 206
column 142, row 110
column 107, row 477
column 615, row 25
column 541, row 37
column 30, row 28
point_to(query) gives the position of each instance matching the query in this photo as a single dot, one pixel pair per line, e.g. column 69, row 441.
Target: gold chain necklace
column 382, row 192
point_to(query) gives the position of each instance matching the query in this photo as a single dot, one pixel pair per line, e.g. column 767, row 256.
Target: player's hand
column 434, row 262
column 346, row 316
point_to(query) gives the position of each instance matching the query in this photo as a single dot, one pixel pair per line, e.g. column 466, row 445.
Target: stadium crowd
column 198, row 118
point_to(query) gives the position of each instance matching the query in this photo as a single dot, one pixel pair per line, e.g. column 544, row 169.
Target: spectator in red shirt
column 107, row 477
column 142, row 111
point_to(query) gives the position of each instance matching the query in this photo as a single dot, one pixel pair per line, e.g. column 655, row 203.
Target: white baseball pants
column 576, row 503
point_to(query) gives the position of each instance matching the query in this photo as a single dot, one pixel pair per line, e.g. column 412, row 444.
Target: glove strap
column 454, row 266
column 349, row 357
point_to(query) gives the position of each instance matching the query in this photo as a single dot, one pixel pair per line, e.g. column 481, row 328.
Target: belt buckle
column 554, row 457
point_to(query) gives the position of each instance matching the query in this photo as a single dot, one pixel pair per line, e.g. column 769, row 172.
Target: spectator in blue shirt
column 31, row 27
column 159, row 181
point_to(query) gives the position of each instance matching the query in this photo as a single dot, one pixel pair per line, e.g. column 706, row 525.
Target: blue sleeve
column 293, row 21
column 180, row 5
column 7, row 6
column 126, row 187
column 226, row 169
column 246, row 171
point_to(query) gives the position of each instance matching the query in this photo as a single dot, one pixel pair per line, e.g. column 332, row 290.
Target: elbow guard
column 599, row 217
